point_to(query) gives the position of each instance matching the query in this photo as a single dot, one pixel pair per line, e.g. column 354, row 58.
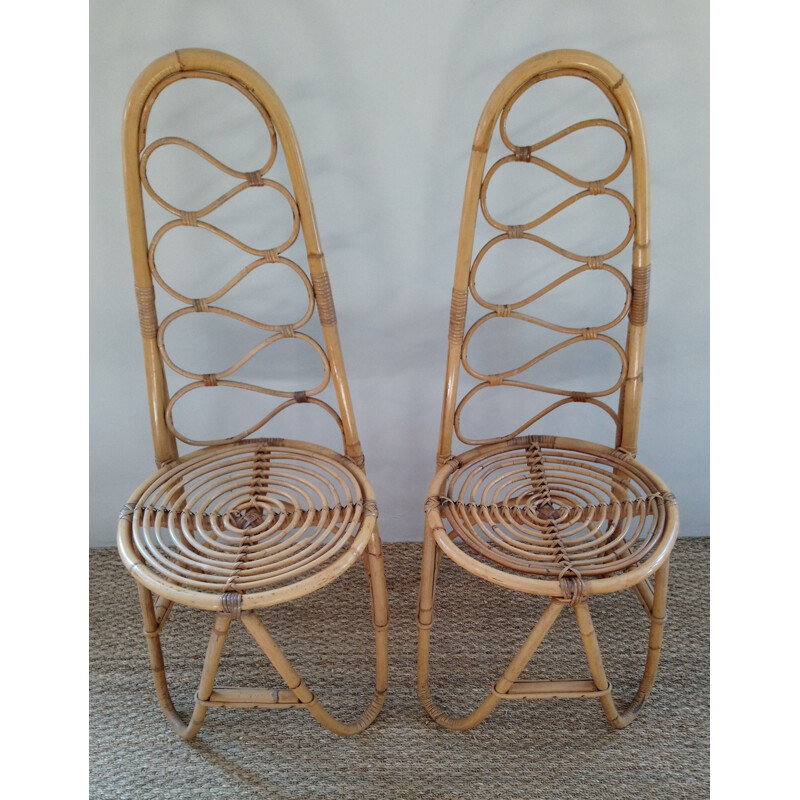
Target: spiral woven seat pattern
column 249, row 516
column 553, row 512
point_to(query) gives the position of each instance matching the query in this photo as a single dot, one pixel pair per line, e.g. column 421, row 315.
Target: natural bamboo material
column 548, row 515
column 241, row 523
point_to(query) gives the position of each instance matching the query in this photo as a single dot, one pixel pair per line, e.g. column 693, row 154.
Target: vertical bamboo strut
column 543, row 514
column 241, row 524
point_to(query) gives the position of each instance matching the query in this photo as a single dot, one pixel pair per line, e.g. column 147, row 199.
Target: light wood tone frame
column 548, row 515
column 293, row 515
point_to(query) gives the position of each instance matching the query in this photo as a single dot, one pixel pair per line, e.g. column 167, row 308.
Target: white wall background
column 384, row 97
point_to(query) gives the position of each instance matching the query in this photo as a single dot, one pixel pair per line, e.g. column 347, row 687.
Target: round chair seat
column 263, row 521
column 553, row 516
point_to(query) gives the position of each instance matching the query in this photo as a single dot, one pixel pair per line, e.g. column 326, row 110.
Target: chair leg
column 152, row 628
column 298, row 686
column 430, row 558
column 657, row 615
column 153, row 621
column 376, row 578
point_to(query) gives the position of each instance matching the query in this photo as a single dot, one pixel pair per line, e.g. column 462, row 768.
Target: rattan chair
column 547, row 515
column 240, row 524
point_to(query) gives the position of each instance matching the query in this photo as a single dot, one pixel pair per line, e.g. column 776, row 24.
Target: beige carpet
column 550, row 749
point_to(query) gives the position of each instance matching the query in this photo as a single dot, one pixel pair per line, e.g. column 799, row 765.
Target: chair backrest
column 209, row 65
column 626, row 124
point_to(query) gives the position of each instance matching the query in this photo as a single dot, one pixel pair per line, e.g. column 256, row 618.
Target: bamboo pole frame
column 241, row 524
column 547, row 515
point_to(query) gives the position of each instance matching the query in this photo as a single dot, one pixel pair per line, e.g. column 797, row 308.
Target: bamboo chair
column 546, row 515
column 241, row 524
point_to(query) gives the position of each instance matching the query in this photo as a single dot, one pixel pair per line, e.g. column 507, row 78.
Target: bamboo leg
column 213, row 652
column 595, row 661
column 373, row 565
column 430, row 560
column 157, row 661
column 653, row 653
column 151, row 632
column 656, row 637
column 380, row 615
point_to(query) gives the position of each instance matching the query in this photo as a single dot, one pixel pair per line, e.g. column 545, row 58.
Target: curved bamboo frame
column 241, row 524
column 547, row 515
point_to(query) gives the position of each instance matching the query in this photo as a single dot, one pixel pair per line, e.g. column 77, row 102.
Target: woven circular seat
column 574, row 516
column 269, row 520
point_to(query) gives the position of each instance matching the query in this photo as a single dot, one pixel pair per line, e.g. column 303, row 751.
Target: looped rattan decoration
column 241, row 524
column 592, row 261
column 210, row 304
column 542, row 514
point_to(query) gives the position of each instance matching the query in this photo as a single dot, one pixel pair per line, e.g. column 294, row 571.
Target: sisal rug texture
column 545, row 750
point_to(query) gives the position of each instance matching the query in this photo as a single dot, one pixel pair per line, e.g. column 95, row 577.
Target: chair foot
column 430, row 560
column 152, row 628
column 305, row 696
column 656, row 613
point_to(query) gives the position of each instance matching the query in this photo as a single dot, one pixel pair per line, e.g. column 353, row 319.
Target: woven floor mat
column 547, row 749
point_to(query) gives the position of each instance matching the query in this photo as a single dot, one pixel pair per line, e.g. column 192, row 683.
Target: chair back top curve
column 627, row 123
column 137, row 151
